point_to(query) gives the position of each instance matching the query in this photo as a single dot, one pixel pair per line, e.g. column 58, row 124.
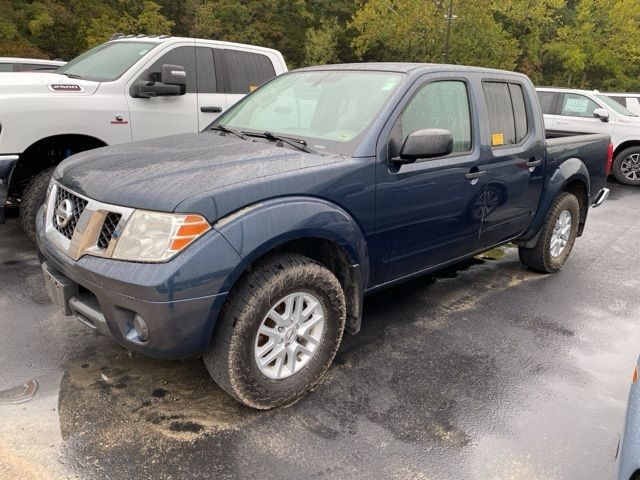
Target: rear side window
column 507, row 113
column 620, row 100
column 440, row 105
column 243, row 72
column 546, row 102
column 576, row 105
column 206, row 71
column 6, row 67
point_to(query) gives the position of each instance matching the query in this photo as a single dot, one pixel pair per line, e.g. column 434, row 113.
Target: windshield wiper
column 72, row 75
column 232, row 131
column 294, row 142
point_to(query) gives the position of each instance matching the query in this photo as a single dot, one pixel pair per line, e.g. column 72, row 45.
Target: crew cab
column 255, row 242
column 567, row 112
column 130, row 88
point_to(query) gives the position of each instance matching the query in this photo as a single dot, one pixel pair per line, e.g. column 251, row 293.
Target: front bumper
column 107, row 294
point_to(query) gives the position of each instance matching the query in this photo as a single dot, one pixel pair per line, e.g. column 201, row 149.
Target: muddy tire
column 626, row 166
column 557, row 236
column 31, row 200
column 278, row 332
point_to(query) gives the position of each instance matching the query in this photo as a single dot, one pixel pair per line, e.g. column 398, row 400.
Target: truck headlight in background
column 157, row 237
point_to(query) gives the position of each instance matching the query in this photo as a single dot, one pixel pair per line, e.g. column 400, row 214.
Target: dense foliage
column 580, row 43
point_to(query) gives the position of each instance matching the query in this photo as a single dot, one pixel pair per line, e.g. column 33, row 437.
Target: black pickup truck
column 255, row 242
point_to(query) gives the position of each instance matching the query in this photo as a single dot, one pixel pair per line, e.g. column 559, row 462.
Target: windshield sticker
column 389, row 84
column 576, row 105
column 63, row 87
column 497, row 139
column 345, row 136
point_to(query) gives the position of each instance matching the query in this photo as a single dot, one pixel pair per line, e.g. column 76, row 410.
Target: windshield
column 329, row 110
column 106, row 62
column 615, row 106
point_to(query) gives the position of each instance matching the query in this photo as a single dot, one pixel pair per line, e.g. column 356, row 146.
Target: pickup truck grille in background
column 108, row 227
column 77, row 207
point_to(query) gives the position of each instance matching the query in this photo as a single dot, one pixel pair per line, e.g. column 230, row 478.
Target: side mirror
column 602, row 114
column 173, row 82
column 428, row 143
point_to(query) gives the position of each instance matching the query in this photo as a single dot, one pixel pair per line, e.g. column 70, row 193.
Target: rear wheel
column 32, row 199
column 557, row 236
column 278, row 332
column 626, row 166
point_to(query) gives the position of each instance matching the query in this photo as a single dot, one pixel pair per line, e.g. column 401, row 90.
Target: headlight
column 156, row 237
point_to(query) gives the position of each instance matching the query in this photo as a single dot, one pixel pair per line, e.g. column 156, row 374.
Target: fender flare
column 570, row 170
column 259, row 228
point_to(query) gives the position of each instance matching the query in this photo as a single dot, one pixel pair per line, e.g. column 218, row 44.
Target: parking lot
column 487, row 370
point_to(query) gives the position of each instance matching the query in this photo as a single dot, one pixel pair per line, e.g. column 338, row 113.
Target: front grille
column 67, row 225
column 108, row 227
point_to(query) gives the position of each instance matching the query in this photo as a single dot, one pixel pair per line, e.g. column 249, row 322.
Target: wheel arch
column 624, row 145
column 48, row 152
column 312, row 227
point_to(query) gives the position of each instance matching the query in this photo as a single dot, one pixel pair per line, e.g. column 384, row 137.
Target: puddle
column 144, row 397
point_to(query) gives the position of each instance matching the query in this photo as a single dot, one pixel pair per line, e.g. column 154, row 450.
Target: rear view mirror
column 602, row 114
column 427, row 143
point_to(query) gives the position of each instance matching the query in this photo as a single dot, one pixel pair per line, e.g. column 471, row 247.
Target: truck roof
column 408, row 67
column 170, row 39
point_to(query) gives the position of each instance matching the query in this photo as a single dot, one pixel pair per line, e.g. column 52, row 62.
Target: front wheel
column 32, row 199
column 626, row 166
column 557, row 236
column 278, row 332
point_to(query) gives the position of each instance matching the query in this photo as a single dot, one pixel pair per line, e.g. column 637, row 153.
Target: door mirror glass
column 602, row 114
column 427, row 143
column 173, row 75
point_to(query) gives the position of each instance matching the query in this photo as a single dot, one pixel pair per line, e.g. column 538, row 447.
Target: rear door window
column 507, row 112
column 243, row 72
column 6, row 67
column 206, row 73
column 576, row 105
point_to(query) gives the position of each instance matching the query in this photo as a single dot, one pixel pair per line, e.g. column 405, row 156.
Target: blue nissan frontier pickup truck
column 254, row 242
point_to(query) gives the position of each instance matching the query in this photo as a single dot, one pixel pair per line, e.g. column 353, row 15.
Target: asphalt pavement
column 484, row 371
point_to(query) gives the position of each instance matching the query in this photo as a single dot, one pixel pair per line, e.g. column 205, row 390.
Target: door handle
column 475, row 175
column 214, row 109
column 533, row 163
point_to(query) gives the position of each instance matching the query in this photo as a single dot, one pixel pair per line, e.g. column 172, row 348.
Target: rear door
column 242, row 71
column 515, row 165
column 423, row 214
column 212, row 100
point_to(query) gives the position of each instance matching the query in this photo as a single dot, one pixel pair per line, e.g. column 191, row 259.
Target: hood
column 160, row 174
column 41, row 83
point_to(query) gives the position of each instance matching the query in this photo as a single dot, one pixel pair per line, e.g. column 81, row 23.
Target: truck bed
column 591, row 148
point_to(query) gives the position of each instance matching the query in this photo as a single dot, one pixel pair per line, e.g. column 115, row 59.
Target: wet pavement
column 486, row 371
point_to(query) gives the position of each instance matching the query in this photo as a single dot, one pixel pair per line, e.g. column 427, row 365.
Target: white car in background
column 14, row 64
column 131, row 88
column 589, row 111
column 631, row 101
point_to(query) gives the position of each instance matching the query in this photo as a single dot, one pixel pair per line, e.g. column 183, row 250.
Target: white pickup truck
column 568, row 111
column 130, row 88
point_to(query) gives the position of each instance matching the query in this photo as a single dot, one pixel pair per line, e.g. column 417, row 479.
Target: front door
column 423, row 215
column 515, row 168
column 170, row 115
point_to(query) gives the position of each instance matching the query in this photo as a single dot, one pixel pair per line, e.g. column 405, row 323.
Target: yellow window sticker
column 497, row 139
column 252, row 88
